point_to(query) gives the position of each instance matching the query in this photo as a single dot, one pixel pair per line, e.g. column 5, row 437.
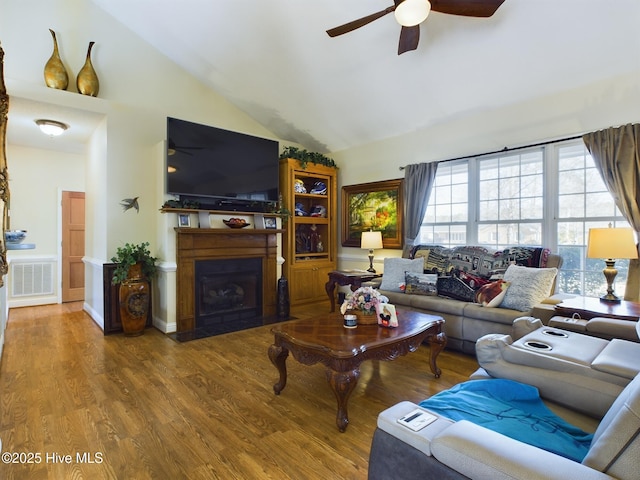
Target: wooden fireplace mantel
column 197, row 244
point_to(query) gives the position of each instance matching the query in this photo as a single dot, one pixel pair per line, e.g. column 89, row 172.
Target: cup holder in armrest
column 539, row 346
column 555, row 333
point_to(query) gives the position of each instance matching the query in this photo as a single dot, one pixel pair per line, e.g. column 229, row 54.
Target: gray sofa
column 460, row 450
column 466, row 321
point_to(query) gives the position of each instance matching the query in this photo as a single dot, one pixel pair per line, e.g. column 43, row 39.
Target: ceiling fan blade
column 409, row 37
column 467, row 8
column 361, row 22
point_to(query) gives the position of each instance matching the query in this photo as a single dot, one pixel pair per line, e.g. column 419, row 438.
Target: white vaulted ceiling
column 274, row 60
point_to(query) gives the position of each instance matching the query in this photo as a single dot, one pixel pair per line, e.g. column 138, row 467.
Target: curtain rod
column 506, row 149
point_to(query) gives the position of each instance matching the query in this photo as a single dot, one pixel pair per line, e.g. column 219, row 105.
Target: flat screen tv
column 206, row 163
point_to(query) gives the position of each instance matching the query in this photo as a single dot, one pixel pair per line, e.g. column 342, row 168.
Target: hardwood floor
column 149, row 407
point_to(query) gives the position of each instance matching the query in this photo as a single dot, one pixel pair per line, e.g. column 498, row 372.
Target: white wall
column 612, row 102
column 36, row 178
column 139, row 88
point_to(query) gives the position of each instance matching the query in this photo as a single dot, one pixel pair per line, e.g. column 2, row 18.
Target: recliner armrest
column 420, row 440
column 480, row 453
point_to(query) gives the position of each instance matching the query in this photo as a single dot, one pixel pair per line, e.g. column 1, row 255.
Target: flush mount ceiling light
column 412, row 12
column 52, row 128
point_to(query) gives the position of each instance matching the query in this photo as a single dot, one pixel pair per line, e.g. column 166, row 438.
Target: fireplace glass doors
column 228, row 294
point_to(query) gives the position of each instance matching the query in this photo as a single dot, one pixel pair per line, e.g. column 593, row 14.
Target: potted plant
column 135, row 266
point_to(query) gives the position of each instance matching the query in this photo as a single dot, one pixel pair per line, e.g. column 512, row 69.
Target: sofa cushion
column 495, row 315
column 492, row 294
column 528, row 286
column 437, row 305
column 616, row 443
column 393, row 278
column 421, row 284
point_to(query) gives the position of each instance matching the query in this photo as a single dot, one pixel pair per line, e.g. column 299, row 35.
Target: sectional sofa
column 450, row 282
column 450, row 449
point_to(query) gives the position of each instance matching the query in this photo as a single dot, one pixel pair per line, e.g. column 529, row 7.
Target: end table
column 355, row 278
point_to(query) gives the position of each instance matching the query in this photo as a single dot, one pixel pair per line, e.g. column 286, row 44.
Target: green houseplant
column 304, row 157
column 128, row 256
column 134, row 267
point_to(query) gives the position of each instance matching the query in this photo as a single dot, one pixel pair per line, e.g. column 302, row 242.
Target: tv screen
column 205, row 161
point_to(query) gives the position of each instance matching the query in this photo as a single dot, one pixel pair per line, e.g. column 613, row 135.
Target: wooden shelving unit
column 310, row 242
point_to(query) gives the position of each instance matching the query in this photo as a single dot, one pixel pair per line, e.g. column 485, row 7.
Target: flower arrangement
column 365, row 299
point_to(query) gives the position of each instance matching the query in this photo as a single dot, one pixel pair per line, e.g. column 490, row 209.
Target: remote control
column 417, row 419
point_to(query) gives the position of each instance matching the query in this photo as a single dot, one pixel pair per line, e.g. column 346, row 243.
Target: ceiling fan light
column 52, row 128
column 412, row 12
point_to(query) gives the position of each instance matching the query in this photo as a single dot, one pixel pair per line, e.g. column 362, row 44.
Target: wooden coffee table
column 324, row 339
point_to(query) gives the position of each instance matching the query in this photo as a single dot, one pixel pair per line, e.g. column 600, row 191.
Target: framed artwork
column 270, row 223
column 184, row 220
column 373, row 206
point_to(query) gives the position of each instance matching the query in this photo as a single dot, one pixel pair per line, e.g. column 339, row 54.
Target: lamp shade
column 412, row 12
column 611, row 243
column 371, row 240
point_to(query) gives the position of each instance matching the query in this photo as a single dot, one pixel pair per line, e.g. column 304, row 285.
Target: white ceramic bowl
column 15, row 236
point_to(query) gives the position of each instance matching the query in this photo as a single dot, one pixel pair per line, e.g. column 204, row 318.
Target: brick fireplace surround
column 199, row 244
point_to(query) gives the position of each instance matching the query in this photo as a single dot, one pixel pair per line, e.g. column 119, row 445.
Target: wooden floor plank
column 154, row 408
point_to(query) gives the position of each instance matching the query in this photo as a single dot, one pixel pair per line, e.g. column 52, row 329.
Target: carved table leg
column 342, row 384
column 278, row 356
column 437, row 342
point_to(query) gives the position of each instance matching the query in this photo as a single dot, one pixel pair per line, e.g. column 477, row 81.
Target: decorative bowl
column 236, row 223
column 15, row 236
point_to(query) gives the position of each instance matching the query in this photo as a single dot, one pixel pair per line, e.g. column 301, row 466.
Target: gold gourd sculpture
column 4, row 173
column 55, row 74
column 87, row 79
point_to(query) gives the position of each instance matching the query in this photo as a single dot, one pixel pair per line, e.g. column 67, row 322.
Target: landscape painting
column 373, row 206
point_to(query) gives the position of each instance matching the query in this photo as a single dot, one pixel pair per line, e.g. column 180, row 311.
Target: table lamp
column 371, row 240
column 610, row 243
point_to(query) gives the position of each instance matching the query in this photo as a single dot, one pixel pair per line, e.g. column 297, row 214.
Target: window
column 583, row 202
column 550, row 195
column 510, row 191
column 445, row 222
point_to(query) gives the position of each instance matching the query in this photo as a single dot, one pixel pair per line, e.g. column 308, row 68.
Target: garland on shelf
column 304, row 157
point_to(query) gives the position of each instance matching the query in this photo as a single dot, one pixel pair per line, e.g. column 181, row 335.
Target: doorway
column 73, row 227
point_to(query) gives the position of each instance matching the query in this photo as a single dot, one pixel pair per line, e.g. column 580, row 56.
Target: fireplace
column 228, row 293
column 251, row 250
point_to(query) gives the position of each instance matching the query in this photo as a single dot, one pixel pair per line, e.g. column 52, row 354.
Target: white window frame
column 550, row 209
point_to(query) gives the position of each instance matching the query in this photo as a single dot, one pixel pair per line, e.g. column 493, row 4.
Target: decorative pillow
column 492, row 294
column 394, row 271
column 529, row 286
column 421, row 283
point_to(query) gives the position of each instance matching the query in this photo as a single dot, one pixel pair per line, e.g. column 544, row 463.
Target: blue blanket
column 513, row 409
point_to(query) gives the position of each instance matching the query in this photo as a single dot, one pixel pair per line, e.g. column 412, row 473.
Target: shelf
column 218, row 212
column 310, row 195
column 314, row 256
column 311, row 220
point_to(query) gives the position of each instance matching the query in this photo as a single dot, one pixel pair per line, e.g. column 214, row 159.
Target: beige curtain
column 418, row 181
column 616, row 152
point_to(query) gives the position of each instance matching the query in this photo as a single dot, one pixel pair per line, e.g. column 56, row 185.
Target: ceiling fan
column 172, row 148
column 410, row 13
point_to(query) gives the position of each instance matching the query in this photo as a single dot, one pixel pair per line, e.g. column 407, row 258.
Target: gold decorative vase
column 87, row 79
column 55, row 75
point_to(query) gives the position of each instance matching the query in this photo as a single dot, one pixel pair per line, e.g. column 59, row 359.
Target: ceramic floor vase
column 55, row 74
column 134, row 296
column 87, row 79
